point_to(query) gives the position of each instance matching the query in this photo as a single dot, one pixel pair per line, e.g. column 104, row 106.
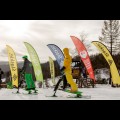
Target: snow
column 50, row 83
column 102, row 74
column 3, row 80
column 100, row 92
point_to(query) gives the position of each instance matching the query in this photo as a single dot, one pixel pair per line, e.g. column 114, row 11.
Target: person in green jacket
column 28, row 71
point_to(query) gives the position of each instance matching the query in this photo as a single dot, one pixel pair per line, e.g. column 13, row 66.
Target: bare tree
column 73, row 52
column 83, row 38
column 110, row 35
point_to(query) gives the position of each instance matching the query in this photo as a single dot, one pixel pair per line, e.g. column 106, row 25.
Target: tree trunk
column 110, row 82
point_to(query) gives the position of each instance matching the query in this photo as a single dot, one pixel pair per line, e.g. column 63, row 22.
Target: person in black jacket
column 28, row 71
column 63, row 78
column 1, row 73
column 84, row 72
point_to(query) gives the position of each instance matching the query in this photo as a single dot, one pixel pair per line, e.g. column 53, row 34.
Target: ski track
column 101, row 92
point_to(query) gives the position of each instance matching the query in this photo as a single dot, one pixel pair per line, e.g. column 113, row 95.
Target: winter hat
column 25, row 56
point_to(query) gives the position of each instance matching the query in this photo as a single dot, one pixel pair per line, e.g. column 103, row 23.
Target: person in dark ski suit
column 84, row 72
column 1, row 73
column 28, row 71
column 63, row 78
column 21, row 81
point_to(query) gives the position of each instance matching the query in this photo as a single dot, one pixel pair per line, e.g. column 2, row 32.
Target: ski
column 80, row 97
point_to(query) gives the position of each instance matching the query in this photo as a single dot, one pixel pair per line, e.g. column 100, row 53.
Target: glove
column 21, row 72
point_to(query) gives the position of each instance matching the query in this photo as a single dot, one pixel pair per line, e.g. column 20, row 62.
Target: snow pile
column 102, row 74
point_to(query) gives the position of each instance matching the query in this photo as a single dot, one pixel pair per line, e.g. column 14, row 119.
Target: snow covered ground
column 101, row 92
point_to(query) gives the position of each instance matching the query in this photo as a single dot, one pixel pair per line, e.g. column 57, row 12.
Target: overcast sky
column 39, row 33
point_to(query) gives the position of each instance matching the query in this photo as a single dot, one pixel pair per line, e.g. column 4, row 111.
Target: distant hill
column 6, row 69
column 5, row 66
column 45, row 69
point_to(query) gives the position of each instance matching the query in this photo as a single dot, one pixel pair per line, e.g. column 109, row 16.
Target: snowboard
column 24, row 93
column 78, row 93
column 30, row 94
column 83, row 96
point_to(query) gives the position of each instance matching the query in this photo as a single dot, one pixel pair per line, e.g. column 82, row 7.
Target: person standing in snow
column 84, row 72
column 28, row 71
column 1, row 73
column 63, row 78
column 21, row 80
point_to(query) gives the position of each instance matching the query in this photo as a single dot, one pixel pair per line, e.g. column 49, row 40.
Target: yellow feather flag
column 105, row 52
column 52, row 69
column 13, row 65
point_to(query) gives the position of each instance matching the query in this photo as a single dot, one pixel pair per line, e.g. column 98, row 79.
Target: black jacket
column 1, row 72
column 27, row 67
